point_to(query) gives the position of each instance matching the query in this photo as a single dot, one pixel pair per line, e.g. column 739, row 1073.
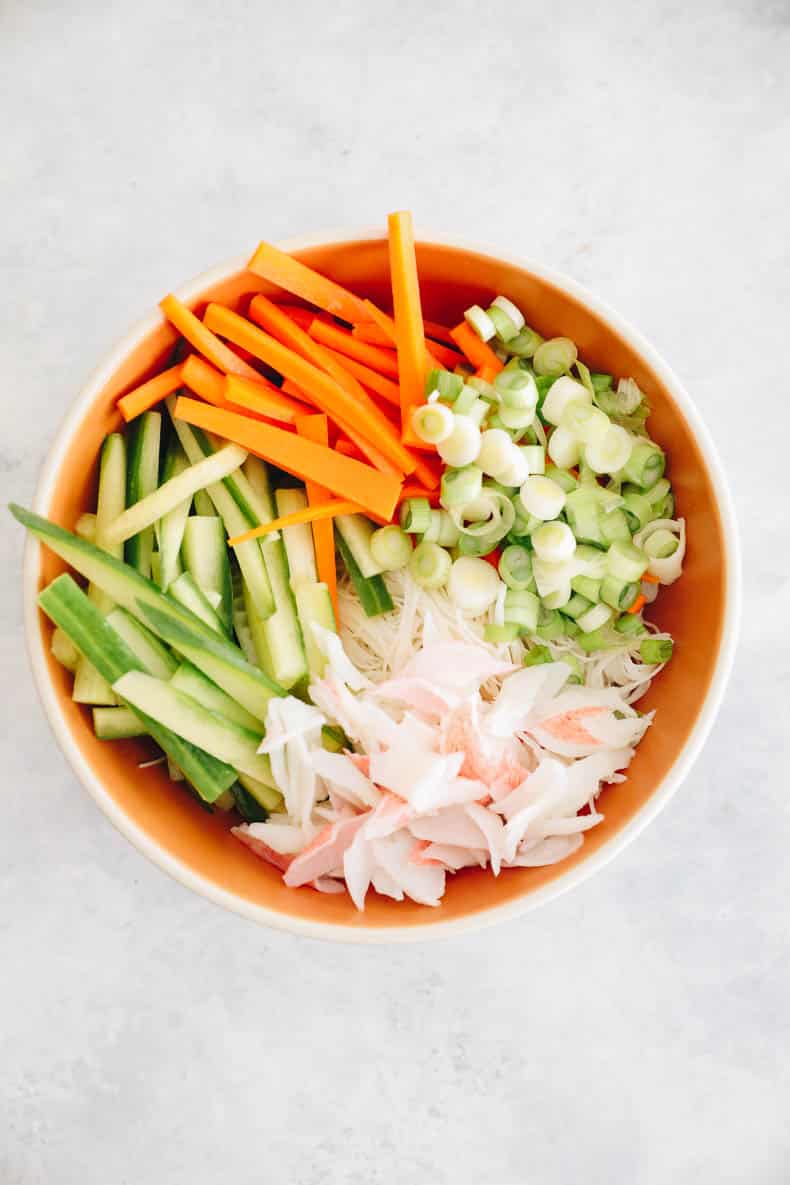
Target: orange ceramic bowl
column 700, row 610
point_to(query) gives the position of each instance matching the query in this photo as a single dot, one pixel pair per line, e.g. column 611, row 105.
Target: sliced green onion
column 415, row 515
column 516, row 418
column 488, row 519
column 584, row 376
column 645, row 465
column 630, row 625
column 512, row 311
column 525, row 345
column 429, row 565
column 535, row 456
column 661, row 544
column 587, row 587
column 564, row 479
column 583, row 513
column 620, row 594
column 626, row 561
column 462, row 445
column 522, row 608
column 564, row 448
column 612, row 452
column 561, row 395
column 638, row 510
column 556, row 356
column 478, row 411
column 576, row 606
column 448, row 531
column 484, row 389
column 542, row 497
column 505, row 326
column 516, row 389
column 559, row 597
column 599, row 639
column 391, row 548
column 473, row 584
column 601, row 382
column 614, row 527
column 590, row 561
column 577, row 670
column 656, row 493
column 466, row 399
column 554, row 542
column 550, row 624
column 447, row 384
column 656, row 650
column 594, row 618
column 517, row 471
column 480, row 321
column 461, row 486
column 507, row 632
column 587, row 423
column 432, row 422
column 495, row 451
column 515, row 567
column 608, row 500
column 537, row 656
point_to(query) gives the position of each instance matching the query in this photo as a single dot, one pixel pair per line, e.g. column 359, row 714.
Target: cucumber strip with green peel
column 142, row 478
column 248, row 807
column 145, row 646
column 224, row 496
column 264, row 793
column 277, row 641
column 298, row 539
column 216, row 656
column 373, row 593
column 185, row 591
column 180, row 488
column 241, row 623
column 174, row 773
column 170, row 528
column 183, row 715
column 64, row 650
column 68, row 606
column 203, row 504
column 356, row 530
column 90, row 688
column 227, row 801
column 257, row 475
column 192, row 681
column 206, row 557
column 314, row 605
column 86, row 527
column 117, row 724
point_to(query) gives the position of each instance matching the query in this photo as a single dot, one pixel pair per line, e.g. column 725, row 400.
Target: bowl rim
column 394, row 933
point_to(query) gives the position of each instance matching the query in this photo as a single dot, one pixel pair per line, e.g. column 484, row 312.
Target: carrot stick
column 384, row 361
column 316, row 428
column 300, row 314
column 478, row 353
column 649, row 578
column 310, row 514
column 203, row 340
column 295, row 277
column 387, row 323
column 638, row 603
column 147, row 394
column 446, row 357
column 207, row 382
column 440, row 332
column 486, row 372
column 414, row 491
column 348, row 449
column 266, row 401
column 362, row 484
column 409, row 330
column 322, row 390
column 382, row 386
column 375, row 335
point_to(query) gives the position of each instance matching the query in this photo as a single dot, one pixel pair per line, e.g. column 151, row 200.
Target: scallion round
column 415, row 515
column 515, row 567
column 429, row 565
column 480, row 321
column 473, row 584
column 562, row 394
column 432, row 422
column 462, row 445
column 461, row 486
column 391, row 548
column 542, row 497
column 655, row 650
column 511, row 310
column 611, row 453
column 556, row 356
column 554, row 542
column 564, row 448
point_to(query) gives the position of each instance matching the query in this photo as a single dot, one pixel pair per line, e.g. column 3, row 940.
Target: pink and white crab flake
column 458, row 760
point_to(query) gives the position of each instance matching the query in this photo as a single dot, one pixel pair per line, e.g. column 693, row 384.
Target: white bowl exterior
column 411, row 933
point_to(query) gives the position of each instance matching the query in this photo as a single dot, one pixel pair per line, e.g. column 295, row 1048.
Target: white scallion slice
column 594, row 618
column 587, row 423
column 511, row 310
column 554, row 541
column 432, row 422
column 462, row 446
column 611, row 452
column 561, row 395
column 542, row 497
column 473, row 584
column 481, row 322
column 564, row 448
column 495, row 455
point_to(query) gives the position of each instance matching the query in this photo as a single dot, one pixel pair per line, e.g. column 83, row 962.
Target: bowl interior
column 451, row 278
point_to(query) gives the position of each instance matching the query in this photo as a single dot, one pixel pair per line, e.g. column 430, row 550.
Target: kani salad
column 374, row 585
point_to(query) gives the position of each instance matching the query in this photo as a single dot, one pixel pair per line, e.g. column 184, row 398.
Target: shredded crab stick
column 477, row 352
column 409, row 330
column 384, row 361
column 135, row 402
column 316, row 428
column 376, row 492
column 295, row 277
column 324, row 391
column 310, row 514
column 266, row 401
column 203, row 340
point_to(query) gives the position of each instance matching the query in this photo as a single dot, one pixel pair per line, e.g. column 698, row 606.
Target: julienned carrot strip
column 413, row 491
column 316, row 428
column 203, row 340
column 377, row 358
column 371, row 379
column 209, row 383
column 428, row 474
column 348, row 449
column 478, row 353
column 376, row 335
column 440, row 332
column 638, row 603
column 266, row 401
column 135, row 402
column 376, row 492
column 486, row 372
column 409, row 330
column 387, row 323
column 322, row 390
column 299, row 314
column 295, row 277
column 310, row 514
column 649, row 578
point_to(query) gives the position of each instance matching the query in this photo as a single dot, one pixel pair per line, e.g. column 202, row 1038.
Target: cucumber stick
column 142, row 478
column 265, row 793
column 72, row 611
column 314, row 605
column 145, row 646
column 89, row 687
column 298, row 539
column 170, row 528
column 64, row 650
column 183, row 715
column 203, row 504
column 206, row 558
column 186, row 592
column 356, row 530
column 237, row 520
column 117, row 724
column 193, row 682
column 373, row 593
column 217, row 657
column 241, row 623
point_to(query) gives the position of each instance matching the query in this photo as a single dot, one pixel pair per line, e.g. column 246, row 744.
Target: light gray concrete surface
column 634, row 1031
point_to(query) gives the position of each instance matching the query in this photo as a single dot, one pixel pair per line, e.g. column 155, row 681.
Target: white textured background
column 634, row 1031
